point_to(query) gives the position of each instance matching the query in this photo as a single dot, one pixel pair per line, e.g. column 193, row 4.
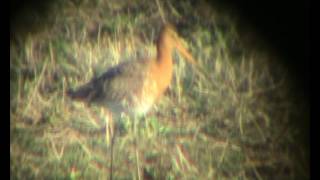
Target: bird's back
column 119, row 89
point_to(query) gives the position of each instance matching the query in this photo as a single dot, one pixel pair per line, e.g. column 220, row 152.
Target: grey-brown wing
column 117, row 84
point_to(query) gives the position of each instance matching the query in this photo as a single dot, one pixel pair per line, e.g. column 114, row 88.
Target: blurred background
column 245, row 117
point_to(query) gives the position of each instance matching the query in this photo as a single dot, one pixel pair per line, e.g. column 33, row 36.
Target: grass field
column 233, row 120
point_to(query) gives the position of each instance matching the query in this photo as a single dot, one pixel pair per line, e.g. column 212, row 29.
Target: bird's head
column 171, row 39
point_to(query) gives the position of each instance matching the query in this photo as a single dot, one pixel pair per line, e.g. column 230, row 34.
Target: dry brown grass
column 230, row 121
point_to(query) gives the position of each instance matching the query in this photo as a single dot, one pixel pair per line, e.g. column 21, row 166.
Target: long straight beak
column 184, row 52
column 198, row 69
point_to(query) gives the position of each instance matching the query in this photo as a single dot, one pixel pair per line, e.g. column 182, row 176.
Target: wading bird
column 132, row 87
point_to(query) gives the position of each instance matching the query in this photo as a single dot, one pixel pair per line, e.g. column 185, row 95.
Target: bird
column 132, row 87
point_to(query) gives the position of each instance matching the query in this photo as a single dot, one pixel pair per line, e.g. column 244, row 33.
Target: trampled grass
column 231, row 119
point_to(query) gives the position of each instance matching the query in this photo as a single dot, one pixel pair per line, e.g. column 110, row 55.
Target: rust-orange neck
column 164, row 54
column 164, row 48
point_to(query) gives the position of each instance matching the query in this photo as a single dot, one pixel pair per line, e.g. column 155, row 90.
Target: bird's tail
column 83, row 93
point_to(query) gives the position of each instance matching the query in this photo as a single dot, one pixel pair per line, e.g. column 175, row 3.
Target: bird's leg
column 109, row 126
column 110, row 136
